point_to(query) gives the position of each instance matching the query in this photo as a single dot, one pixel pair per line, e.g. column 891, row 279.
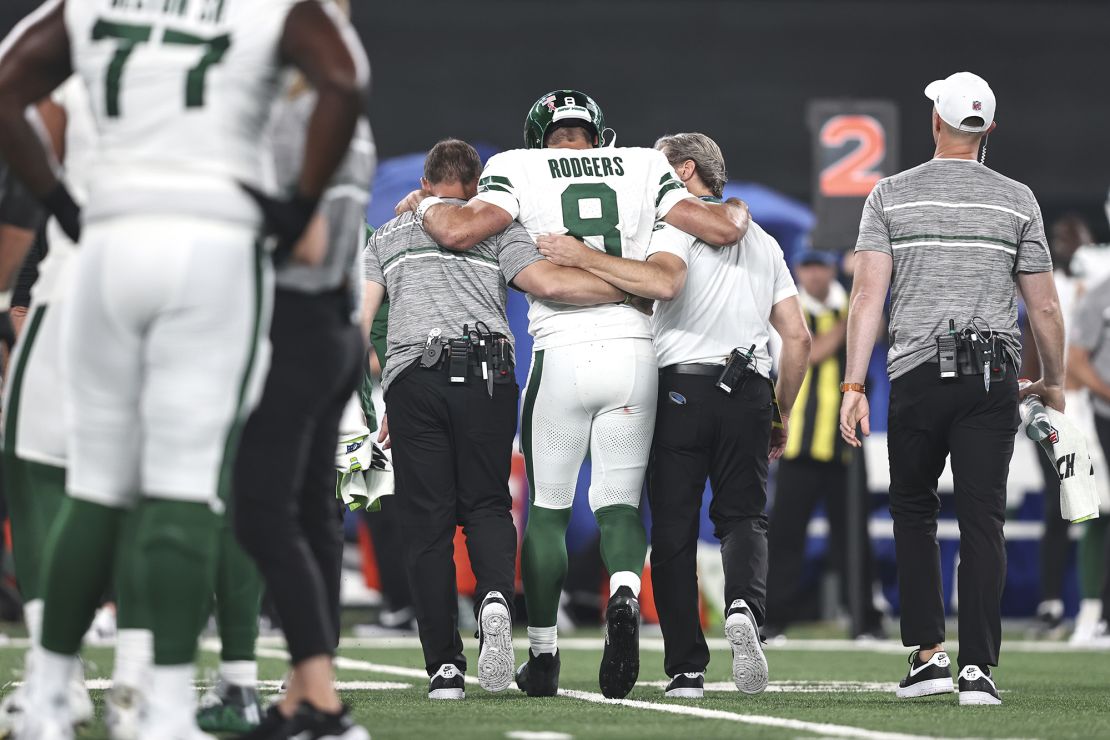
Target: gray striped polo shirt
column 431, row 287
column 959, row 233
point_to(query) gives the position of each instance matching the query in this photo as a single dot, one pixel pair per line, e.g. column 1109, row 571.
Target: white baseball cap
column 961, row 96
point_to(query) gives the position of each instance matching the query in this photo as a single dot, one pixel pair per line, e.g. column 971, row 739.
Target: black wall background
column 742, row 72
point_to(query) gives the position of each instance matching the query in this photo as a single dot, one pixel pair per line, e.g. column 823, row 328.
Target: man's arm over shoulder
column 490, row 212
column 716, row 224
column 460, row 228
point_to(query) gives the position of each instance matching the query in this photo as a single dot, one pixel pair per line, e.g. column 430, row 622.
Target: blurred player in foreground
column 166, row 322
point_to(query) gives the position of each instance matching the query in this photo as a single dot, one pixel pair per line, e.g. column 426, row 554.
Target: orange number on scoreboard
column 853, row 174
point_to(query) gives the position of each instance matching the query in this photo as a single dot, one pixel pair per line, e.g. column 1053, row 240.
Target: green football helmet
column 563, row 105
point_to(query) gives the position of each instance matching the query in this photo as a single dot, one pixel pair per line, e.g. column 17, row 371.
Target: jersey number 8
column 604, row 224
column 130, row 36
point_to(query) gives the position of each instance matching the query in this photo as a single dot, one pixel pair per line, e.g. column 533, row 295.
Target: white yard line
column 816, row 728
column 104, row 684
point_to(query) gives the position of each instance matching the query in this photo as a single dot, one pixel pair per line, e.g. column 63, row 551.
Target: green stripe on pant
column 543, row 557
column 34, row 491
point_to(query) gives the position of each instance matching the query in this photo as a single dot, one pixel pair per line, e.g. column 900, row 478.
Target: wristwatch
column 857, row 387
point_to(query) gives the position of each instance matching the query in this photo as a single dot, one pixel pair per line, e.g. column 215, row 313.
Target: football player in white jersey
column 592, row 384
column 34, row 429
column 164, row 331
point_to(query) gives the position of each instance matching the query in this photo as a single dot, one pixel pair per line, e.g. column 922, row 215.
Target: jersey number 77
column 131, row 35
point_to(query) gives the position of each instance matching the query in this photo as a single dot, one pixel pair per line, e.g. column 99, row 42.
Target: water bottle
column 1035, row 419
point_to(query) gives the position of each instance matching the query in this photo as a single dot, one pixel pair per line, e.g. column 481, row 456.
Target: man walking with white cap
column 954, row 242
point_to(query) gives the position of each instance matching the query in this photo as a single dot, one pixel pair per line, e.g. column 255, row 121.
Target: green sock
column 76, row 571
column 175, row 563
column 1090, row 557
column 238, row 599
column 35, row 494
column 543, row 563
column 623, row 540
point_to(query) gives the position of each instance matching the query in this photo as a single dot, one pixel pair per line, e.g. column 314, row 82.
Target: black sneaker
column 539, row 675
column 977, row 686
column 274, row 726
column 620, row 664
column 749, row 665
column 686, row 686
column 229, row 708
column 309, row 723
column 933, row 676
column 448, row 683
column 495, row 640
column 1048, row 624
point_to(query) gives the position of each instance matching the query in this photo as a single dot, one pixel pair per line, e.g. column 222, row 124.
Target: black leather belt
column 693, row 368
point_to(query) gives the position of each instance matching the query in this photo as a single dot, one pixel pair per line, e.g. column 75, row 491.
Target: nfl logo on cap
column 963, row 96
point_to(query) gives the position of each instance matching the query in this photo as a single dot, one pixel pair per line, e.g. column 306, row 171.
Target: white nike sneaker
column 977, row 687
column 749, row 665
column 495, row 635
column 926, row 678
column 123, row 706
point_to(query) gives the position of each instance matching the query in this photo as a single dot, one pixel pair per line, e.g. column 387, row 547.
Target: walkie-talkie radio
column 736, row 370
column 946, row 351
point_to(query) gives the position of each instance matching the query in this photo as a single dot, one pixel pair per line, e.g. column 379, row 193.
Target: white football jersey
column 727, row 301
column 609, row 198
column 181, row 91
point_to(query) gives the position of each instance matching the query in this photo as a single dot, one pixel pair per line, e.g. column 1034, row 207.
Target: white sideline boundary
column 815, row 728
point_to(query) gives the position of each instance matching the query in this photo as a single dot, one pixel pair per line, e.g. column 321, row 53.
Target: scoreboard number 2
column 853, row 173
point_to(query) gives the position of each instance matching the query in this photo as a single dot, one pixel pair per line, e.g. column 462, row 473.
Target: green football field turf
column 818, row 689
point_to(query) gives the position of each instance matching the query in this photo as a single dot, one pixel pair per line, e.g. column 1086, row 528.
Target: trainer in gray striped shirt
column 959, row 233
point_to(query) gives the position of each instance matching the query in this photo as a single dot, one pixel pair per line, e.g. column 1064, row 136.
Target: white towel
column 1079, row 499
column 364, row 473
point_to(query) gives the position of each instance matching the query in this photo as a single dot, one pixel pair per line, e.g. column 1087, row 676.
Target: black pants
column 930, row 420
column 1102, row 428
column 452, row 455
column 700, row 431
column 1055, row 542
column 388, row 540
column 799, row 485
column 285, row 511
